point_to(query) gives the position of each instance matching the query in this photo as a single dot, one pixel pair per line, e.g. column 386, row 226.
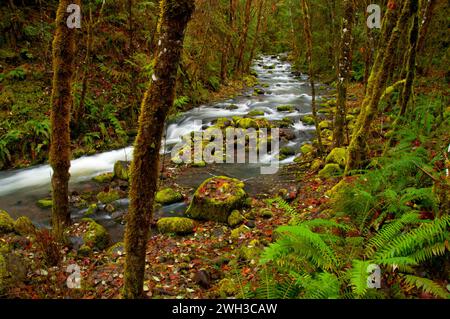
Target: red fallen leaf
column 392, row 5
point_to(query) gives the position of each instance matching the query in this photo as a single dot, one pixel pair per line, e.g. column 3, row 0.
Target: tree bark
column 309, row 54
column 227, row 47
column 426, row 20
column 156, row 103
column 358, row 149
column 243, row 42
column 344, row 72
column 61, row 103
column 255, row 40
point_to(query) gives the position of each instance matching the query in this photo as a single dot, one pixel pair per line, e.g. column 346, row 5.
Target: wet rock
column 108, row 197
column 308, row 120
column 307, row 149
column 216, row 198
column 203, row 278
column 44, row 203
column 96, row 236
column 285, row 108
column 103, row 178
column 177, row 225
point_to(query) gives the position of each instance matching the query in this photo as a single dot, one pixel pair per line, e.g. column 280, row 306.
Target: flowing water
column 20, row 189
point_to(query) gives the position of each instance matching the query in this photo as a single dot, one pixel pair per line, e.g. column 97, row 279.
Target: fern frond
column 426, row 285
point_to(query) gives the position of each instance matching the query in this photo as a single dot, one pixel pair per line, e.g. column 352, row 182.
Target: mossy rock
column 238, row 232
column 44, row 203
column 96, row 236
column 175, row 225
column 259, row 91
column 108, row 197
column 116, row 250
column 232, row 107
column 308, row 120
column 235, row 218
column 266, row 213
column 317, row 164
column 121, row 170
column 216, row 198
column 307, row 149
column 249, row 253
column 325, row 125
column 326, row 111
column 337, row 156
column 103, row 178
column 24, row 226
column 255, row 113
column 84, row 251
column 199, row 164
column 6, row 223
column 247, row 123
column 227, row 288
column 330, row 170
column 285, row 108
column 223, row 122
column 287, row 151
column 168, row 196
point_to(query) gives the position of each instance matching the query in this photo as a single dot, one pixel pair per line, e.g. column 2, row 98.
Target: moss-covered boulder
column 330, row 170
column 116, row 250
column 24, row 226
column 255, row 113
column 235, row 218
column 45, row 203
column 259, row 91
column 6, row 223
column 103, row 178
column 247, row 123
column 84, row 251
column 108, row 197
column 92, row 209
column 325, row 125
column 337, row 156
column 121, row 170
column 285, row 108
column 168, row 196
column 216, row 198
column 308, row 120
column 316, row 164
column 176, row 225
column 238, row 232
column 223, row 122
column 96, row 236
column 307, row 149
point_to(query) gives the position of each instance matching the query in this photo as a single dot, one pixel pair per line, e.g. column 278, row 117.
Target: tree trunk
column 243, row 42
column 358, row 149
column 426, row 20
column 61, row 103
column 309, row 54
column 344, row 72
column 156, row 103
column 228, row 38
column 255, row 40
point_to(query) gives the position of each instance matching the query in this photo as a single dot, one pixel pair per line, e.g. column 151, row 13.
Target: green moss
column 250, row 252
column 177, row 225
column 227, row 288
column 317, row 164
column 259, row 91
column 216, row 198
column 287, row 151
column 116, row 250
column 235, row 218
column 108, row 197
column 325, row 125
column 232, row 107
column 6, row 223
column 308, row 120
column 237, row 232
column 250, row 80
column 84, row 251
column 266, row 213
column 92, row 209
column 44, row 203
column 285, row 108
column 3, row 273
column 199, row 164
column 330, row 170
column 24, row 226
column 337, row 156
column 223, row 122
column 247, row 123
column 307, row 148
column 103, row 178
column 168, row 196
column 255, row 113
column 96, row 236
column 121, row 170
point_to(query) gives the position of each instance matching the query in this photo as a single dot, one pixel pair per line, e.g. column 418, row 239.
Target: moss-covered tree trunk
column 243, row 42
column 228, row 41
column 61, row 103
column 156, row 103
column 256, row 37
column 309, row 55
column 428, row 13
column 344, row 71
column 358, row 149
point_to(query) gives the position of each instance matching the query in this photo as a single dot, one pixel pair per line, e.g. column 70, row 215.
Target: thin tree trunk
column 243, row 42
column 358, row 149
column 255, row 40
column 309, row 53
column 227, row 47
column 344, row 72
column 61, row 103
column 156, row 103
column 426, row 20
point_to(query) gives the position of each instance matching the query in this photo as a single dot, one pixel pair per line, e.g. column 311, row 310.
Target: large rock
column 216, row 198
column 177, row 225
column 330, row 170
column 337, row 156
column 24, row 226
column 6, row 223
column 121, row 170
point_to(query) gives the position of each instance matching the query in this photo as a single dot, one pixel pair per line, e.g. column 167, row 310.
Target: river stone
column 6, row 223
column 121, row 170
column 177, row 225
column 216, row 198
column 168, row 196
